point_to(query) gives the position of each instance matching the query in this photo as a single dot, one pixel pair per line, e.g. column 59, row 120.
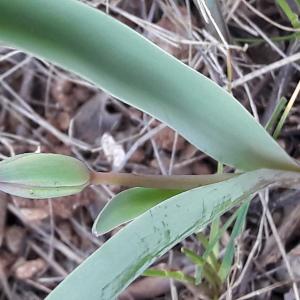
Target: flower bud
column 41, row 175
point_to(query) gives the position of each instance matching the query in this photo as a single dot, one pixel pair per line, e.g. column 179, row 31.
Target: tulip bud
column 41, row 175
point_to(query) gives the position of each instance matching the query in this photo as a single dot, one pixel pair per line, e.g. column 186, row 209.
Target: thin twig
column 261, row 15
column 281, row 247
column 265, row 290
column 266, row 69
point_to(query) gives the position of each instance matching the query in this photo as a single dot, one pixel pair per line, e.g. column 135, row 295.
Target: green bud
column 41, row 175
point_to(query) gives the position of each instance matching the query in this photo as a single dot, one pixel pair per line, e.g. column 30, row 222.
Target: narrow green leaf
column 292, row 16
column 216, row 13
column 215, row 225
column 211, row 258
column 210, row 273
column 257, row 41
column 213, row 242
column 129, row 252
column 286, row 111
column 125, row 64
column 237, row 229
column 128, row 205
column 276, row 114
column 176, row 275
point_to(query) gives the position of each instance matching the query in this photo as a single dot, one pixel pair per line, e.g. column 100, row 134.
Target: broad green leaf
column 131, row 203
column 128, row 205
column 123, row 63
column 129, row 252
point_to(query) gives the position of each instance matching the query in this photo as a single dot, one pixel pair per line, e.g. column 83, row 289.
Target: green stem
column 182, row 182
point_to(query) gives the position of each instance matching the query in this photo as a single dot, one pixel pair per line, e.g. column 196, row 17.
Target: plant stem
column 183, row 182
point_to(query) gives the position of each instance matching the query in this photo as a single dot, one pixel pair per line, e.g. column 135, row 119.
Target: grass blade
column 176, row 275
column 237, row 230
column 292, row 16
column 276, row 114
column 286, row 111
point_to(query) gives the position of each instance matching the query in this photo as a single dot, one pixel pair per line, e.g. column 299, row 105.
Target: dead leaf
column 30, row 268
column 14, row 238
column 93, row 119
column 35, row 214
column 165, row 140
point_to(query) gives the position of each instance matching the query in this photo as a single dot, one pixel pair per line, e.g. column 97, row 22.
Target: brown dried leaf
column 35, row 214
column 30, row 268
column 165, row 140
column 63, row 207
column 180, row 28
column 93, row 119
column 14, row 238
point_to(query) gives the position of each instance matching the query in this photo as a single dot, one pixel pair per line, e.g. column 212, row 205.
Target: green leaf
column 131, row 203
column 216, row 13
column 176, row 275
column 209, row 272
column 41, row 175
column 129, row 252
column 123, row 63
column 128, row 205
column 209, row 249
column 276, row 114
column 237, row 230
column 292, row 16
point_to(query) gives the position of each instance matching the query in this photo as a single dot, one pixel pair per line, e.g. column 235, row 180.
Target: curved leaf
column 128, row 205
column 125, row 64
column 131, row 203
column 110, row 269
